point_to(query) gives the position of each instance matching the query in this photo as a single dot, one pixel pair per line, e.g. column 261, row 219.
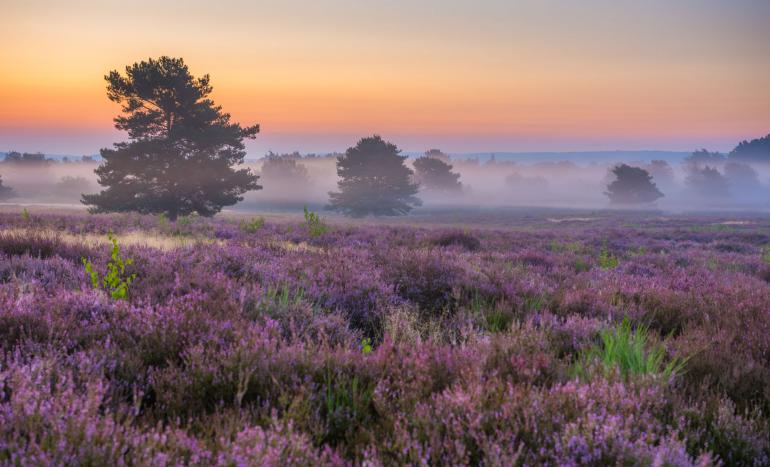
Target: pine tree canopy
column 182, row 149
column 436, row 175
column 632, row 185
column 374, row 181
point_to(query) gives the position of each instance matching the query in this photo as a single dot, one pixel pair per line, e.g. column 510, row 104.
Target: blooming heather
column 243, row 346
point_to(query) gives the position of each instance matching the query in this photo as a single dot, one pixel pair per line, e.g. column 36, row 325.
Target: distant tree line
column 635, row 185
column 27, row 158
column 757, row 151
column 38, row 159
column 67, row 186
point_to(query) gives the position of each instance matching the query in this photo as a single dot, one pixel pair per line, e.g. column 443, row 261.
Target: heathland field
column 546, row 338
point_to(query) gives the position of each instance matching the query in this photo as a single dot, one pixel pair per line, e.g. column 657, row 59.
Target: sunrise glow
column 526, row 75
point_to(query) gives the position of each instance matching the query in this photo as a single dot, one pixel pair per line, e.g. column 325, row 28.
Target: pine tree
column 374, row 180
column 182, row 148
column 436, row 175
column 632, row 185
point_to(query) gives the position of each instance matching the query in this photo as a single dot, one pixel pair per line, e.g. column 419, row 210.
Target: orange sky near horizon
column 454, row 74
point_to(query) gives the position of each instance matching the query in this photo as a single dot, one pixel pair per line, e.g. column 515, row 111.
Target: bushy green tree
column 436, row 175
column 116, row 280
column 632, row 185
column 374, row 181
column 182, row 149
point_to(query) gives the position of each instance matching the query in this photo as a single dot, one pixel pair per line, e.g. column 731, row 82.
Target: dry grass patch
column 132, row 238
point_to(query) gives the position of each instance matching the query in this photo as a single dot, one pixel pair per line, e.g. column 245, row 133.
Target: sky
column 464, row 76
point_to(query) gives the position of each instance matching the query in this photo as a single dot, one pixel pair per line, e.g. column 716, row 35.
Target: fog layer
column 692, row 184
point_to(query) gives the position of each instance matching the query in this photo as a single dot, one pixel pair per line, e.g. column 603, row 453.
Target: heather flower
column 245, row 348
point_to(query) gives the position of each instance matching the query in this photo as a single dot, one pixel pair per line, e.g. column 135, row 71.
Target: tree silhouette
column 373, row 180
column 703, row 156
column 707, row 181
column 436, row 175
column 632, row 185
column 756, row 150
column 27, row 158
column 182, row 150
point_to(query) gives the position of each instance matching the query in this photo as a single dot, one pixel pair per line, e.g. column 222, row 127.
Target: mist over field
column 553, row 180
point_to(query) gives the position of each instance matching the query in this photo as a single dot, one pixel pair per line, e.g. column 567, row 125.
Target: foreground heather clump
column 622, row 341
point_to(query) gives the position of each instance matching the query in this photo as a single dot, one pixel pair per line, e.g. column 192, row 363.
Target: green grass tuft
column 627, row 350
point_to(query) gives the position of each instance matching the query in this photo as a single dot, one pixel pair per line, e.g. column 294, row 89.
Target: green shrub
column 283, row 296
column 115, row 281
column 607, row 260
column 627, row 350
column 572, row 247
column 278, row 302
column 497, row 320
column 315, row 225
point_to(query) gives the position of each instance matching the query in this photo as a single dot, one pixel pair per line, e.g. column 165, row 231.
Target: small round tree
column 182, row 149
column 373, row 181
column 436, row 175
column 632, row 186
